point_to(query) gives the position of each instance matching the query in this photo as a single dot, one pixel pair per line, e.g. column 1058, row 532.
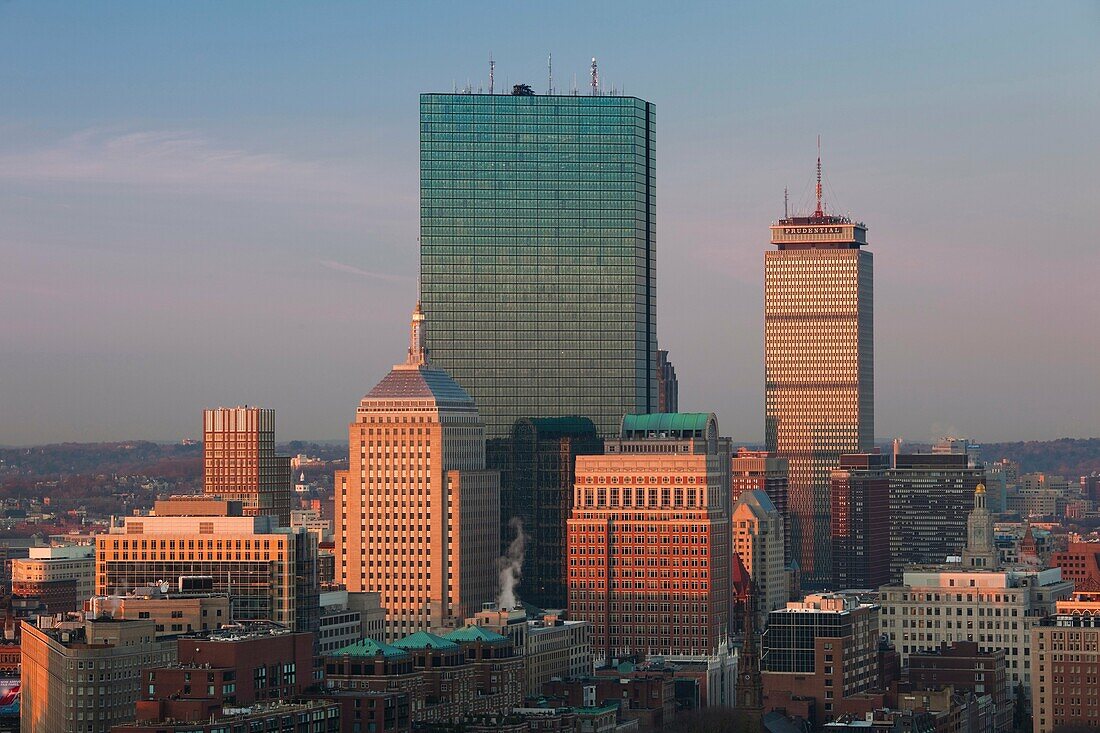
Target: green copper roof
column 667, row 422
column 474, row 633
column 424, row 640
column 369, row 648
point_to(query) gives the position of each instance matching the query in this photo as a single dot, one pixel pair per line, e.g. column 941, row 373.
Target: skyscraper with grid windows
column 819, row 367
column 538, row 253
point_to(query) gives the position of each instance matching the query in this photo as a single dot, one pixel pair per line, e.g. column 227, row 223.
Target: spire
column 749, row 691
column 820, row 211
column 418, row 332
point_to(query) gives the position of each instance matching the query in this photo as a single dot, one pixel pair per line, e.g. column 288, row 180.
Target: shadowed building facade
column 860, row 521
column 536, row 486
column 418, row 514
column 819, row 367
column 538, row 253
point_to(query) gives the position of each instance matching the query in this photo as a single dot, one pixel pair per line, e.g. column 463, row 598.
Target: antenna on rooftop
column 820, row 211
column 492, row 68
column 550, row 73
column 595, row 79
column 786, row 197
column 574, row 83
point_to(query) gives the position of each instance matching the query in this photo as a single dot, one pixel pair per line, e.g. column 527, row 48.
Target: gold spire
column 979, row 489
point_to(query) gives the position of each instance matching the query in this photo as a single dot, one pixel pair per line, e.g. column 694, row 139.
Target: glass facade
column 538, row 253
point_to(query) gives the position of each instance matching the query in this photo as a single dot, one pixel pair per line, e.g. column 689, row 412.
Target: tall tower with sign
column 818, row 364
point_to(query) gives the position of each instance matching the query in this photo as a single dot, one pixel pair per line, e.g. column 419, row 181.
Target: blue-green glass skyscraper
column 538, row 253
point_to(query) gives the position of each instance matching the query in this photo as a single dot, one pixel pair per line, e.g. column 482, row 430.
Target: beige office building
column 270, row 572
column 239, row 461
column 418, row 516
column 819, row 367
column 977, row 599
column 60, row 577
column 172, row 613
column 86, row 676
column 757, row 531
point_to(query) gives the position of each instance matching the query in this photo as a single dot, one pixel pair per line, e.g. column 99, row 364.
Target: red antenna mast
column 820, row 212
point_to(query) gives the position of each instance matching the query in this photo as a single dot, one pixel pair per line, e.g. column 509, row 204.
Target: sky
column 212, row 203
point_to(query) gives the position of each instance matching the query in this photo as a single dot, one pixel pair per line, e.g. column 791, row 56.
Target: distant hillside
column 1070, row 457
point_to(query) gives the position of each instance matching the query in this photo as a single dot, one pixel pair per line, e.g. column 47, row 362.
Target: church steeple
column 981, row 550
column 418, row 332
column 749, row 690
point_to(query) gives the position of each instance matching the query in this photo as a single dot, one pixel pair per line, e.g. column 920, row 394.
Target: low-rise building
column 172, row 612
column 469, row 671
column 821, row 650
column 175, row 716
column 85, row 675
column 552, row 646
column 59, row 578
column 340, row 625
column 967, row 669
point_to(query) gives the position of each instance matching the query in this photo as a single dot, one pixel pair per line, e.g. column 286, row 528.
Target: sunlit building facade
column 538, row 253
column 649, row 539
column 819, row 367
column 239, row 461
column 418, row 516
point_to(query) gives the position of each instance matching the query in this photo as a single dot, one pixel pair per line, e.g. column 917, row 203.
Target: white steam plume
column 511, row 565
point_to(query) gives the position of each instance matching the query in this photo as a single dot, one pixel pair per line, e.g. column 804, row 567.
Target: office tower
column 752, row 470
column 976, row 600
column 819, row 365
column 239, row 461
column 860, row 521
column 930, row 497
column 56, row 692
column 536, row 487
column 668, row 388
column 960, row 446
column 649, row 544
column 757, row 534
column 59, row 578
column 819, row 650
column 967, row 669
column 418, row 516
column 269, row 572
column 1065, row 654
column 538, row 253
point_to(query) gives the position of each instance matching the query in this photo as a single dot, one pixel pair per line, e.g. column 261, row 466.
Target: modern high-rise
column 668, row 387
column 756, row 531
column 536, row 488
column 759, row 470
column 538, row 252
column 860, row 521
column 930, row 497
column 418, row 516
column 239, row 461
column 819, row 366
column 649, row 542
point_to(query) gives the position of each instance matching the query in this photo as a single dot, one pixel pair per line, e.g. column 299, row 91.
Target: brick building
column 967, row 668
column 649, row 539
column 818, row 651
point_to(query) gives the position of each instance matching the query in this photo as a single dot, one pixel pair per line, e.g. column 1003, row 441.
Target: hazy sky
column 217, row 203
